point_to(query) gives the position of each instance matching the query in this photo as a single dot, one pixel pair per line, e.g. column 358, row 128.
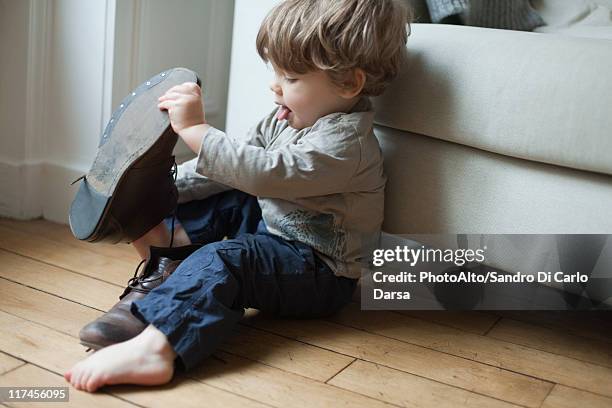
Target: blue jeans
column 198, row 306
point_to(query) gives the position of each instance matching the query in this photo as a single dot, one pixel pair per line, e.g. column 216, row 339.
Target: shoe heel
column 110, row 232
column 86, row 210
column 87, row 218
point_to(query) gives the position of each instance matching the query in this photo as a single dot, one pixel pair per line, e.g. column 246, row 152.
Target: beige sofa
column 494, row 131
column 501, row 132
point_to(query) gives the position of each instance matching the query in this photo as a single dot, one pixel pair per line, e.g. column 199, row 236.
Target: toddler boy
column 301, row 198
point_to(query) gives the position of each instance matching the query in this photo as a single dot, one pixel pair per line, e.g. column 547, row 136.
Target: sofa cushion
column 438, row 187
column 540, row 97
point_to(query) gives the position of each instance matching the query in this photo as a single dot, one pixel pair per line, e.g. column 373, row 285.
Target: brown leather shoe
column 129, row 188
column 119, row 324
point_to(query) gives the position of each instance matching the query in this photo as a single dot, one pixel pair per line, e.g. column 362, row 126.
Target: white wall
column 66, row 64
column 75, row 87
column 19, row 102
column 14, row 45
column 76, row 68
column 250, row 98
column 154, row 35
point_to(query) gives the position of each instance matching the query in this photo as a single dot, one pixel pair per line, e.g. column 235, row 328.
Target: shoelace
column 174, row 173
column 80, row 178
column 134, row 280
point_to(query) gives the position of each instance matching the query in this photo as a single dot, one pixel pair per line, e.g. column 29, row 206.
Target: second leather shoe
column 119, row 324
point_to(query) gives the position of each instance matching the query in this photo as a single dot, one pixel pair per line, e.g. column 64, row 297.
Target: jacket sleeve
column 322, row 162
column 192, row 185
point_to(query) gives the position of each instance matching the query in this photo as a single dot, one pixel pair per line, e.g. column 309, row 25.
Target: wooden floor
column 51, row 285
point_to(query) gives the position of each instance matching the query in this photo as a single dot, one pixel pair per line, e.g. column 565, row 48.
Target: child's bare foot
column 147, row 359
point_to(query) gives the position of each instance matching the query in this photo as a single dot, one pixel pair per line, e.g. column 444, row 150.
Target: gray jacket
column 322, row 185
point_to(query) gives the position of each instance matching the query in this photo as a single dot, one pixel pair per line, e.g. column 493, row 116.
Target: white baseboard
column 20, row 190
column 33, row 190
column 57, row 191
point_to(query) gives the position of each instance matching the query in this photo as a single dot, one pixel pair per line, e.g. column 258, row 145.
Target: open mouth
column 283, row 112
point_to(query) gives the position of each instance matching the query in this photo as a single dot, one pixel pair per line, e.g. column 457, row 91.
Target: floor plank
column 8, row 363
column 553, row 341
column 471, row 321
column 407, row 390
column 45, row 309
column 565, row 397
column 289, row 355
column 32, row 376
column 547, row 366
column 37, row 344
column 460, row 372
column 596, row 325
column 111, row 270
column 61, row 233
column 82, row 289
column 276, row 387
column 183, row 392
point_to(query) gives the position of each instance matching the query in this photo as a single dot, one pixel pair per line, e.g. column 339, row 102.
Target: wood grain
column 553, row 341
column 535, row 363
column 32, row 376
column 60, row 282
column 8, row 363
column 276, row 387
column 471, row 321
column 442, row 367
column 407, row 390
column 60, row 233
column 47, row 310
column 565, row 397
column 86, row 262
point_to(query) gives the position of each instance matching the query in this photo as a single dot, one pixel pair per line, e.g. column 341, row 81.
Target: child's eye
column 290, row 80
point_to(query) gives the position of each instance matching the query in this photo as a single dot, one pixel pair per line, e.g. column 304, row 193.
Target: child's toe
column 74, row 379
column 84, row 379
column 92, row 384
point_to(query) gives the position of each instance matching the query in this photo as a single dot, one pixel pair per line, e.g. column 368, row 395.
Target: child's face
column 307, row 96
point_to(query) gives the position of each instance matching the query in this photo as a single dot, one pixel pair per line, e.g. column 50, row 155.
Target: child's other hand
column 184, row 105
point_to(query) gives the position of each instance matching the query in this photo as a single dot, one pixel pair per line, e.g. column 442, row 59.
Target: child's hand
column 184, row 105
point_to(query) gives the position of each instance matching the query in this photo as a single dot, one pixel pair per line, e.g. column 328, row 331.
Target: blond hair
column 337, row 36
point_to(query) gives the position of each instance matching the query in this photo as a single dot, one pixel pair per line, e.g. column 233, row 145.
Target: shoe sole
column 134, row 128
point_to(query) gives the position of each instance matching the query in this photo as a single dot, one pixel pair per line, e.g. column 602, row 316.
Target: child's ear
column 354, row 84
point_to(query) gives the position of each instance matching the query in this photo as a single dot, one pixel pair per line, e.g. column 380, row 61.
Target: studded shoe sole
column 129, row 188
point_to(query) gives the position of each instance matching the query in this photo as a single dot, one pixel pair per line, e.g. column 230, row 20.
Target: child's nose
column 275, row 87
